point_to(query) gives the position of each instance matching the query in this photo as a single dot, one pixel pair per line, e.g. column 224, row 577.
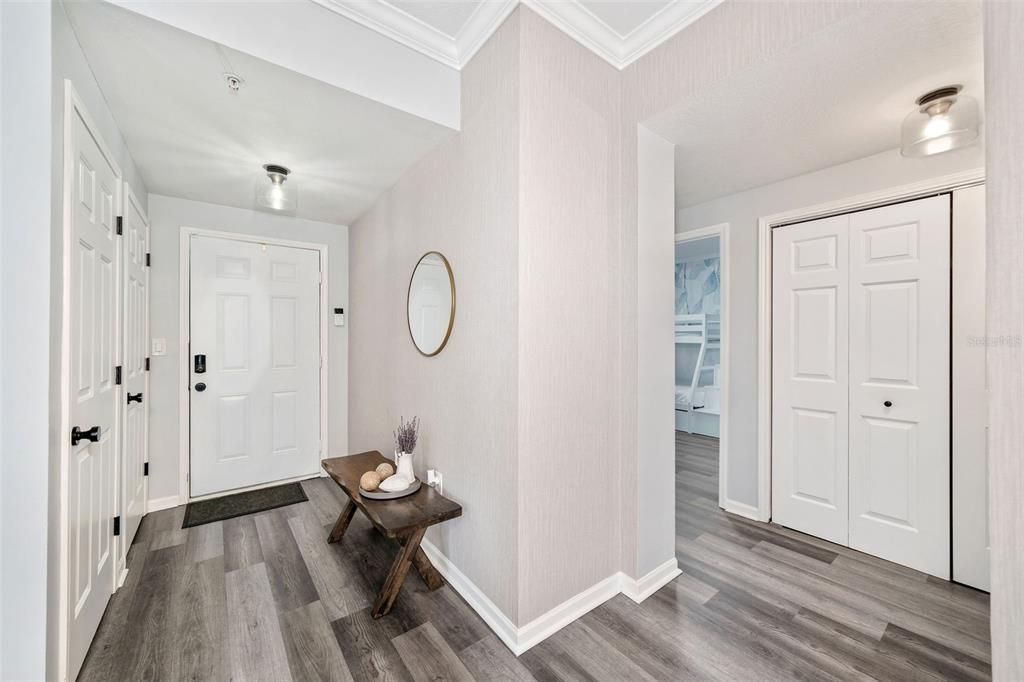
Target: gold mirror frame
column 451, row 316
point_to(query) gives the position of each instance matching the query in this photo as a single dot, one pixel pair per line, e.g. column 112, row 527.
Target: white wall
column 1004, row 89
column 167, row 216
column 656, row 479
column 25, row 142
column 742, row 211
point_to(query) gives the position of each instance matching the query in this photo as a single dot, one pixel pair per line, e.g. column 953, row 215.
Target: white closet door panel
column 254, row 315
column 970, row 434
column 135, row 245
column 899, row 383
column 809, row 377
column 92, row 467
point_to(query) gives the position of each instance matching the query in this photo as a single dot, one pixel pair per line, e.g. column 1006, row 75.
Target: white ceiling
column 840, row 96
column 191, row 137
column 620, row 31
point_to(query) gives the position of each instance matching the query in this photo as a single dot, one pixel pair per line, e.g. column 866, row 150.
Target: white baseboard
column 641, row 589
column 742, row 509
column 160, row 503
column 521, row 639
column 477, row 600
column 539, row 629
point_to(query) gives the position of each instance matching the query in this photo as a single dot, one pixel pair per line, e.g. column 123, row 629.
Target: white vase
column 403, row 466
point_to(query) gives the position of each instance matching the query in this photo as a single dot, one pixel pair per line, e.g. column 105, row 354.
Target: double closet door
column 861, row 381
column 106, row 309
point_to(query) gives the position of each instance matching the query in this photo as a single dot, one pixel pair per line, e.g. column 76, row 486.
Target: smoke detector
column 234, row 82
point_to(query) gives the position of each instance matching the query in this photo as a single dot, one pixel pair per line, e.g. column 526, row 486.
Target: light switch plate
column 159, row 346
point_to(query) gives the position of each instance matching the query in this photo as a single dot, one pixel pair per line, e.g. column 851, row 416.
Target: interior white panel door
column 255, row 410
column 810, row 387
column 970, row 396
column 899, row 383
column 135, row 245
column 94, row 255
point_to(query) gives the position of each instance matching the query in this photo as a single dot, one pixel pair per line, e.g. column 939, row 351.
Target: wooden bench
column 405, row 519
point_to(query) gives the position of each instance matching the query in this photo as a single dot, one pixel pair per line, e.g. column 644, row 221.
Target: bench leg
column 426, row 570
column 341, row 525
column 396, row 576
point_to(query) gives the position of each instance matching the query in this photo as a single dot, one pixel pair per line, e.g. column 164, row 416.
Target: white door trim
column 721, row 230
column 184, row 375
column 72, row 106
column 917, row 190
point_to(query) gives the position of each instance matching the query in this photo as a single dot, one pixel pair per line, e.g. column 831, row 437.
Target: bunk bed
column 704, row 331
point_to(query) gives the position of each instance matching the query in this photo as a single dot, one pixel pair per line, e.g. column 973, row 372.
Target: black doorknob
column 200, row 387
column 888, row 403
column 136, row 398
column 78, row 434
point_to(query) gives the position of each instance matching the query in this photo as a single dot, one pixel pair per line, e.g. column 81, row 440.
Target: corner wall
column 461, row 200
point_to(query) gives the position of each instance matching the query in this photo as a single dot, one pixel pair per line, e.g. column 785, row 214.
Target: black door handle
column 137, row 398
column 200, row 364
column 200, row 387
column 888, row 403
column 78, row 434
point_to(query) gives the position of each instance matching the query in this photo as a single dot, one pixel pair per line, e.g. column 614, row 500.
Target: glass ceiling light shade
column 271, row 192
column 943, row 120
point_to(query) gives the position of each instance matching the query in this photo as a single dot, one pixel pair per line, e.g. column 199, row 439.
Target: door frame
column 721, row 230
column 765, row 224
column 73, row 106
column 184, row 374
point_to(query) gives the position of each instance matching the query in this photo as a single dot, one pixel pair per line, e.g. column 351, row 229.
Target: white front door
column 810, row 386
column 255, row 364
column 94, row 258
column 899, row 383
column 135, row 242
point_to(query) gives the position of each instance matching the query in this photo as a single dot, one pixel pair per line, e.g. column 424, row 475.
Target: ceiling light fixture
column 943, row 120
column 271, row 193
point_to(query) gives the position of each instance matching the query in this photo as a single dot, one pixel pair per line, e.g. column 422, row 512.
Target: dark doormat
column 239, row 504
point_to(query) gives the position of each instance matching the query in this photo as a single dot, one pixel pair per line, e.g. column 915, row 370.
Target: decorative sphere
column 385, row 469
column 369, row 481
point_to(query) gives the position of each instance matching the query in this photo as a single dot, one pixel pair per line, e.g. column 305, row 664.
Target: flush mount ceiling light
column 271, row 193
column 943, row 120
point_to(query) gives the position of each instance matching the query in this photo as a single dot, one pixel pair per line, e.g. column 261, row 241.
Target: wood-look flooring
column 264, row 597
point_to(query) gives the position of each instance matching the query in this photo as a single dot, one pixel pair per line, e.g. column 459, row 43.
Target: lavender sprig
column 406, row 434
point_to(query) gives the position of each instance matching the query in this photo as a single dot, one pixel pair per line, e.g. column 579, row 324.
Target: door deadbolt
column 200, row 364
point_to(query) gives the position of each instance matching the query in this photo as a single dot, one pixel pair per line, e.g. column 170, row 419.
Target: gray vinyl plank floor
column 264, row 597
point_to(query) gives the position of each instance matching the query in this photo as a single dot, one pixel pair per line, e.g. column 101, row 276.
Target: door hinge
column 147, row 364
column 117, row 375
column 120, row 225
column 145, row 468
column 147, row 259
column 117, row 525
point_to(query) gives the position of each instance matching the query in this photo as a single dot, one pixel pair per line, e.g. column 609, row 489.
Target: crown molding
column 570, row 16
column 400, row 26
column 669, row 21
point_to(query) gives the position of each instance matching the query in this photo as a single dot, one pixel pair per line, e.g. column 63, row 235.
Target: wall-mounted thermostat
column 339, row 317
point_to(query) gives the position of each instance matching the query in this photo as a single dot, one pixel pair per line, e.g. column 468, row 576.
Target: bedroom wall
column 167, row 216
column 568, row 221
column 742, row 211
column 462, row 200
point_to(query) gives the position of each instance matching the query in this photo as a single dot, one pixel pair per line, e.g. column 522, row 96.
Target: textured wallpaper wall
column 461, row 200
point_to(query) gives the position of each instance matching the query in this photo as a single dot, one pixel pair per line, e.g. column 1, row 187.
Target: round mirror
column 431, row 303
